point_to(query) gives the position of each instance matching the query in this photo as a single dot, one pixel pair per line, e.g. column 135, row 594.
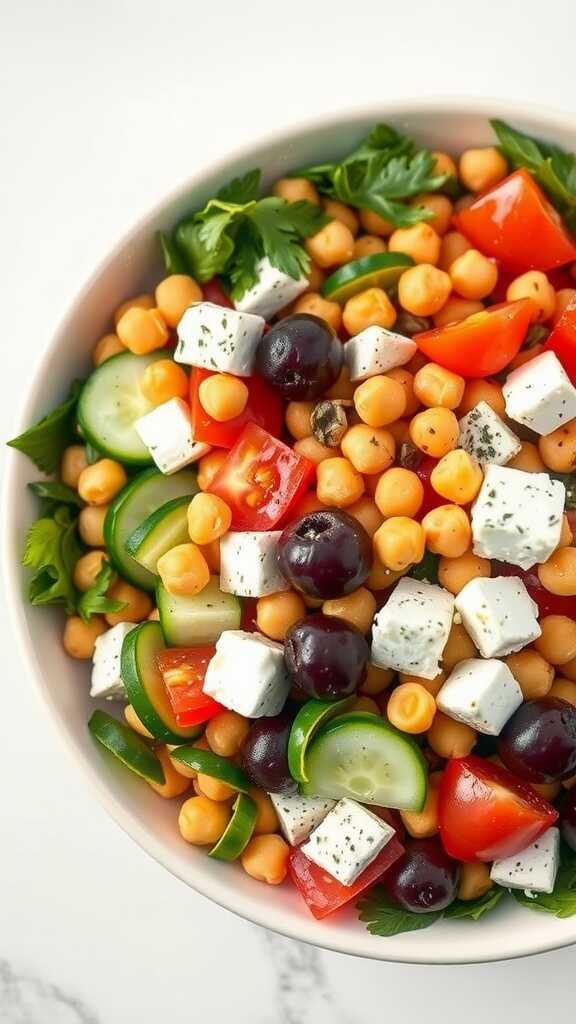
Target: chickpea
column 173, row 296
column 528, row 459
column 481, row 169
column 266, row 859
column 345, row 214
column 455, row 310
column 369, row 308
column 87, row 568
column 317, row 305
column 163, row 380
column 380, row 400
column 183, row 769
column 475, row 881
column 358, row 608
column 420, row 241
column 452, row 245
column 458, row 647
column 405, row 378
column 564, row 688
column 558, row 574
column 109, row 345
column 435, row 431
column 183, row 570
column 449, row 738
column 266, row 817
column 72, row 465
column 423, row 290
column 142, row 330
column 432, row 686
column 464, row 202
column 376, row 680
column 202, row 821
column 211, row 553
column 174, row 784
column 381, row 577
column 534, row 285
column 399, row 543
column 275, row 613
column 374, row 224
column 483, row 391
column 411, row 708
column 565, row 299
column 295, row 189
column 226, row 732
column 532, row 672
column 558, row 449
column 312, row 450
column 367, row 514
column 331, row 246
column 135, row 724
column 457, row 477
column 369, row 449
column 138, row 302
column 400, row 430
column 100, row 482
column 569, row 669
column 338, row 483
column 436, row 386
column 399, row 492
column 548, row 790
column 79, row 639
column 557, row 644
column 316, row 277
column 444, row 164
column 297, row 419
column 309, row 503
column 439, row 206
column 367, row 245
column 423, row 824
column 473, row 275
column 455, row 573
column 213, row 788
column 366, row 705
column 343, row 387
column 223, row 396
column 209, row 518
column 154, row 615
column 208, row 467
column 137, row 605
column 448, row 531
column 566, row 535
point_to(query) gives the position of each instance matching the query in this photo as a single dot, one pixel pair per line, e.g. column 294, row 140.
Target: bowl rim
column 308, row 930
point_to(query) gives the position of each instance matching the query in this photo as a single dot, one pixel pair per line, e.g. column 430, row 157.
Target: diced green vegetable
column 129, row 748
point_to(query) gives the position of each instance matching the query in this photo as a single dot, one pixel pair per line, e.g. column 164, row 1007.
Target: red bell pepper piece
column 562, row 340
column 183, row 670
column 482, row 344
column 264, row 407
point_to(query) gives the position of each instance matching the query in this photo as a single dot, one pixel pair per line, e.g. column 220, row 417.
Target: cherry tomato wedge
column 515, row 223
column 482, row 344
column 485, row 812
column 183, row 670
column 548, row 604
column 214, row 292
column 260, row 479
column 431, row 497
column 324, row 894
column 562, row 340
column 264, row 407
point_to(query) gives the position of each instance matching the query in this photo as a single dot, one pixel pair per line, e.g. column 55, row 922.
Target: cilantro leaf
column 202, row 262
column 243, row 269
column 46, row 440
column 52, row 549
column 474, row 909
column 282, row 226
column 52, row 493
column 94, row 601
column 174, row 261
column 561, row 902
column 553, row 168
column 384, row 917
column 243, row 189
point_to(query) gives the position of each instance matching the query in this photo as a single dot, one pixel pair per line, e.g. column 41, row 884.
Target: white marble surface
column 103, row 107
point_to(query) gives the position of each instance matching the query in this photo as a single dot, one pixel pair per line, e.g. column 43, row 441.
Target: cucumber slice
column 192, row 621
column 207, row 763
column 147, row 492
column 121, row 741
column 111, row 402
column 145, row 686
column 310, row 718
column 363, row 757
column 381, row 270
column 164, row 529
column 238, row 830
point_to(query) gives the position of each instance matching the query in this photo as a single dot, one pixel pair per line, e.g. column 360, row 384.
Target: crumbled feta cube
column 348, row 839
column 482, row 693
column 410, row 632
column 217, row 338
column 167, row 434
column 498, row 614
column 376, row 350
column 299, row 815
column 517, row 516
column 249, row 564
column 106, row 680
column 540, row 394
column 273, row 290
column 534, row 868
column 485, row 436
column 247, row 674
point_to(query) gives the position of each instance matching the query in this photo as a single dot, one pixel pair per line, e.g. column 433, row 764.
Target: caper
column 329, row 423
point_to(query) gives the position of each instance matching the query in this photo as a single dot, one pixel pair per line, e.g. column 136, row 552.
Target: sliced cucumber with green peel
column 111, row 402
column 238, row 831
column 162, row 530
column 129, row 748
column 380, row 270
column 363, row 757
column 207, row 763
column 191, row 621
column 145, row 687
column 135, row 503
column 310, row 718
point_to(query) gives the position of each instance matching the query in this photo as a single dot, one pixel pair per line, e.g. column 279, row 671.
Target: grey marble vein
column 302, row 987
column 25, row 999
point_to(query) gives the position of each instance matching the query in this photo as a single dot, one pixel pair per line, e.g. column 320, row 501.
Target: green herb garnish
column 45, row 442
column 52, row 550
column 474, row 909
column 553, row 168
column 384, row 917
column 94, row 601
column 561, row 902
column 53, row 494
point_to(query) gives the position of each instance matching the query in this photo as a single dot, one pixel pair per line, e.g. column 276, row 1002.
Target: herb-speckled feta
column 517, row 516
column 249, row 564
column 498, row 614
column 482, row 693
column 273, row 290
column 348, row 839
column 217, row 338
column 534, row 868
column 167, row 434
column 485, row 436
column 410, row 632
column 106, row 680
column 376, row 350
column 299, row 815
column 247, row 674
column 540, row 394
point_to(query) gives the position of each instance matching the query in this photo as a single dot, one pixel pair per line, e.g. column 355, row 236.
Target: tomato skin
column 183, row 670
column 562, row 340
column 324, row 894
column 515, row 223
column 486, row 813
column 264, row 407
column 212, row 291
column 481, row 345
column 548, row 603
column 431, row 497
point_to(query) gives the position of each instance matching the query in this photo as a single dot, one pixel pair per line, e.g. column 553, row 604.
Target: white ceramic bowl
column 133, row 265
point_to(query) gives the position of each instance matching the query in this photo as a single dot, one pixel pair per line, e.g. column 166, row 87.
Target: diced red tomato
column 485, row 812
column 515, row 223
column 213, row 292
column 264, row 407
column 562, row 340
column 431, row 498
column 249, row 612
column 548, row 604
column 183, row 670
column 482, row 344
column 260, row 479
column 324, row 894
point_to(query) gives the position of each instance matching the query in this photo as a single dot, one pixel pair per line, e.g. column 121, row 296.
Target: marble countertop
column 103, row 108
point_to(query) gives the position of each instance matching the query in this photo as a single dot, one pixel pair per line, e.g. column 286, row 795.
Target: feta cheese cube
column 517, row 516
column 106, row 680
column 273, row 290
column 249, row 564
column 498, row 614
column 376, row 350
column 217, row 338
column 348, row 839
column 247, row 674
column 410, row 632
column 485, row 436
column 299, row 815
column 167, row 434
column 482, row 693
column 534, row 869
column 540, row 394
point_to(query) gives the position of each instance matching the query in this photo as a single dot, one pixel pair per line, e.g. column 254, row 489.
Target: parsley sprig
column 94, row 601
column 561, row 902
column 553, row 168
column 47, row 439
column 52, row 549
column 384, row 917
